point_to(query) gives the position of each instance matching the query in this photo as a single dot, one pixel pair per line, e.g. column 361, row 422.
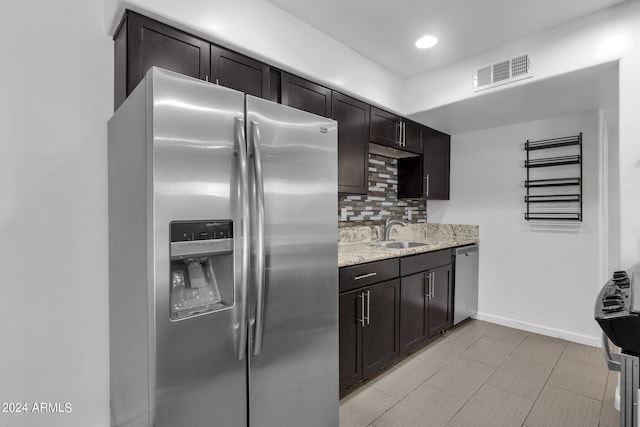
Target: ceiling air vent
column 507, row 71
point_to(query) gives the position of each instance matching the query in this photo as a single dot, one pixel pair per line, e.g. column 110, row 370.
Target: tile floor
column 482, row 374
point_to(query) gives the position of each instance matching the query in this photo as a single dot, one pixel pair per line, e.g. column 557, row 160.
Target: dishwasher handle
column 466, row 250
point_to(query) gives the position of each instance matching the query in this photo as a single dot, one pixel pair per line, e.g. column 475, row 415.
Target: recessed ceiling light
column 425, row 42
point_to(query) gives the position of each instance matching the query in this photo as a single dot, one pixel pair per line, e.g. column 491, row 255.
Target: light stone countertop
column 360, row 253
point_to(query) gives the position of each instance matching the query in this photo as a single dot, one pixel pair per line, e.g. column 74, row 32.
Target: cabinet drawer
column 421, row 262
column 361, row 275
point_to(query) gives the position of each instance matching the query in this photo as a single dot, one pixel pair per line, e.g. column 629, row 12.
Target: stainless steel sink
column 398, row 244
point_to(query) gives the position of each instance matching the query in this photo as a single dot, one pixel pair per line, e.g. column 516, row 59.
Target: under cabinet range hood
column 391, row 152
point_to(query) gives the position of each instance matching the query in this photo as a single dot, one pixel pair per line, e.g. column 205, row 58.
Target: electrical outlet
column 343, row 214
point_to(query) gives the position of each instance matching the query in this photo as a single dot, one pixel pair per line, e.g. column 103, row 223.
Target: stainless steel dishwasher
column 465, row 302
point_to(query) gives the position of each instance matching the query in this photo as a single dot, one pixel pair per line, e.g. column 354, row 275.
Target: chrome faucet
column 388, row 223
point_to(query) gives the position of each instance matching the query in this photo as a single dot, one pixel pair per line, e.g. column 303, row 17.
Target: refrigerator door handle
column 258, row 194
column 243, row 181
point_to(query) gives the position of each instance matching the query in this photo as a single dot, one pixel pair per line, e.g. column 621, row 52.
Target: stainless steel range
column 617, row 311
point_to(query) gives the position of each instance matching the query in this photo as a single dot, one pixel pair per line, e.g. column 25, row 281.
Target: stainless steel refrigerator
column 223, row 275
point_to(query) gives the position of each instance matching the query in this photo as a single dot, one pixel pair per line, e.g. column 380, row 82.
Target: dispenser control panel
column 199, row 238
column 202, row 230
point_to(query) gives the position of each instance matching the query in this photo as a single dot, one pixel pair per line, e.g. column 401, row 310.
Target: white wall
column 56, row 86
column 542, row 278
column 613, row 201
column 602, row 37
column 261, row 30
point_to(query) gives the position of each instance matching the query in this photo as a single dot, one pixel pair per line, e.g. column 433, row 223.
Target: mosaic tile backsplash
column 382, row 200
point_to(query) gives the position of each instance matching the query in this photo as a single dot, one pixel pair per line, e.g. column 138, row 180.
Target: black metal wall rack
column 568, row 205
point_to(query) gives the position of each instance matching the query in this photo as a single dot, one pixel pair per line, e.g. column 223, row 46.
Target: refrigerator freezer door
column 199, row 380
column 293, row 378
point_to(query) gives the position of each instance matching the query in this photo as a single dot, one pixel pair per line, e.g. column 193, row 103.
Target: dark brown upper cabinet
column 384, row 128
column 239, row 72
column 411, row 180
column 275, row 85
column 426, row 176
column 412, row 136
column 353, row 143
column 423, row 153
column 141, row 43
column 305, row 95
column 393, row 131
column 437, row 156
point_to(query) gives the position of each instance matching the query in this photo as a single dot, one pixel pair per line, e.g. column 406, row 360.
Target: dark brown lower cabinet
column 426, row 306
column 350, row 339
column 383, row 317
column 439, row 312
column 380, row 339
column 369, row 325
column 413, row 319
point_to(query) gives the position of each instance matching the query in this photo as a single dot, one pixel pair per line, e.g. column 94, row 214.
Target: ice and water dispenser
column 201, row 267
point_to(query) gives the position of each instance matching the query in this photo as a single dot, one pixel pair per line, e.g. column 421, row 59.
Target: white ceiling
column 386, row 31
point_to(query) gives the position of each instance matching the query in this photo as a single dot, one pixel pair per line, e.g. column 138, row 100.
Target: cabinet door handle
column 427, row 184
column 432, row 282
column 404, row 134
column 398, row 133
column 364, row 276
column 368, row 307
column 427, row 285
column 361, row 320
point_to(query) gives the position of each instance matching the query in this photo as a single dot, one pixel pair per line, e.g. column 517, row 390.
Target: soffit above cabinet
column 589, row 89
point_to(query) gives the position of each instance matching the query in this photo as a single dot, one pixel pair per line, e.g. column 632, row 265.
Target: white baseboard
column 542, row 330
